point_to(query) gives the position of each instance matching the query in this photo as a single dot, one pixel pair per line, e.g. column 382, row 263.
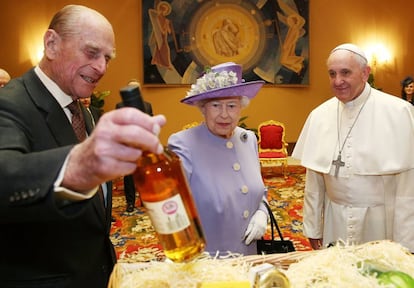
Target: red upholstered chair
column 272, row 145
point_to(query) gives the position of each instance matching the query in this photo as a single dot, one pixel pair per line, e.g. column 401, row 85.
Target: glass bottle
column 165, row 193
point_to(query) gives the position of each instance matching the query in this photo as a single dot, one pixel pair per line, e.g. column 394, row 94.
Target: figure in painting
column 295, row 22
column 161, row 28
column 226, row 39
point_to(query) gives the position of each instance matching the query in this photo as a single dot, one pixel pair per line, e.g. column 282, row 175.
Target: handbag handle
column 273, row 222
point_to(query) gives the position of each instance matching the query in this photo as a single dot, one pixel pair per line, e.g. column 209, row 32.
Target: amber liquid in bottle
column 165, row 193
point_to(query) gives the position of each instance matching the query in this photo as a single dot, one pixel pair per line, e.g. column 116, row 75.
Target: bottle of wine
column 165, row 193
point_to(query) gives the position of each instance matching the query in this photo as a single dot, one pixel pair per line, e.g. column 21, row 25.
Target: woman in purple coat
column 221, row 162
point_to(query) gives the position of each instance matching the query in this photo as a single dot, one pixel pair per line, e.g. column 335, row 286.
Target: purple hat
column 223, row 80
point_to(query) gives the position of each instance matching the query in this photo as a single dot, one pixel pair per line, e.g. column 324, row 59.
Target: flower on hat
column 223, row 80
column 213, row 80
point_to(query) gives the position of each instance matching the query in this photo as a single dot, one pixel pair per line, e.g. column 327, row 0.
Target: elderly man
column 55, row 193
column 4, row 77
column 357, row 148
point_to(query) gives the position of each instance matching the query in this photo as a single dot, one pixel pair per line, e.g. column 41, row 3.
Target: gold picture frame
column 269, row 38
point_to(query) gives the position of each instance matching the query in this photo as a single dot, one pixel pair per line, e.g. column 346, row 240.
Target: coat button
column 236, row 166
column 229, row 144
column 25, row 195
column 17, row 196
column 33, row 192
column 244, row 189
column 246, row 214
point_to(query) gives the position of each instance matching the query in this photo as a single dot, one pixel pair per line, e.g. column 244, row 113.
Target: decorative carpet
column 135, row 240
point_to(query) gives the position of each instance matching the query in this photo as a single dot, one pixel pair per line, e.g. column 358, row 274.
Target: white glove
column 257, row 227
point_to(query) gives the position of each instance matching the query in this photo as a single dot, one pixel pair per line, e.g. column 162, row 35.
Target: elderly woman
column 221, row 162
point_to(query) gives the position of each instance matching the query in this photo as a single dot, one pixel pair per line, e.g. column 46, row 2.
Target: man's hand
column 113, row 148
column 257, row 227
column 316, row 243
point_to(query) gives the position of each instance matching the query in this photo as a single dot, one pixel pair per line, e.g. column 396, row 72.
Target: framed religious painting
column 269, row 38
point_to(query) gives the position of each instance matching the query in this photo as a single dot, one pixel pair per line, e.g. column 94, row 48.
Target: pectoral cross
column 338, row 164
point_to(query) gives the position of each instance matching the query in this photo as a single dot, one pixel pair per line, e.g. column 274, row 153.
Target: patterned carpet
column 135, row 240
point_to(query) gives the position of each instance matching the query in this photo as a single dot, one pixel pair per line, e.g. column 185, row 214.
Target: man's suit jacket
column 45, row 244
column 96, row 112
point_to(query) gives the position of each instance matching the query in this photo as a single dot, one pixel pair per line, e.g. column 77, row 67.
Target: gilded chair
column 272, row 145
column 190, row 125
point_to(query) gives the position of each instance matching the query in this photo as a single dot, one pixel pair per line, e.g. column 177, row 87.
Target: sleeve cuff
column 67, row 194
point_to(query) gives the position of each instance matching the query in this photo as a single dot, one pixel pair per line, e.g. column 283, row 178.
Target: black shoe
column 130, row 207
column 113, row 219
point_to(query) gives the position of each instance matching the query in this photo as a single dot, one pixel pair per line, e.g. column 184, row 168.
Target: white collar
column 61, row 97
column 358, row 101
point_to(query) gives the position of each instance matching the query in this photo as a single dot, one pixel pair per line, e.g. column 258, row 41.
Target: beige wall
column 331, row 23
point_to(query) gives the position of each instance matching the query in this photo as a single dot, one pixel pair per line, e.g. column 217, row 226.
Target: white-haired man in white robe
column 357, row 148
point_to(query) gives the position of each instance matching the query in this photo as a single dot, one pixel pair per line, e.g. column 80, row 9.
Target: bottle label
column 168, row 216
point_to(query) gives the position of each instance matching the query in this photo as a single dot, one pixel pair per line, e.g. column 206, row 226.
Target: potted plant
column 98, row 99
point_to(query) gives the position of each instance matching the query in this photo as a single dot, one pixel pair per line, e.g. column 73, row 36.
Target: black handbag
column 274, row 246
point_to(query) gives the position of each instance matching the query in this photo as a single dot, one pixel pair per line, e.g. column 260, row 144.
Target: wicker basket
column 124, row 272
column 302, row 268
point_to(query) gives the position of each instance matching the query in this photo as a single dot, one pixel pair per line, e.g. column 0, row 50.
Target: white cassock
column 372, row 198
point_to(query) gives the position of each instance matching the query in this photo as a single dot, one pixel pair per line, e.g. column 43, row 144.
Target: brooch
column 243, row 136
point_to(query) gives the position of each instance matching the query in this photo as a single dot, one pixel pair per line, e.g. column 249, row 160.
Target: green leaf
column 397, row 278
column 98, row 98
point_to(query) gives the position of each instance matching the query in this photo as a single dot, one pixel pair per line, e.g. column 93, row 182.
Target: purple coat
column 224, row 176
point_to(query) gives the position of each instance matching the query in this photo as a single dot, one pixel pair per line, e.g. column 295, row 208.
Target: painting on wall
column 269, row 38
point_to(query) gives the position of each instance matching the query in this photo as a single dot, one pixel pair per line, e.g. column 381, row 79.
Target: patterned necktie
column 78, row 123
